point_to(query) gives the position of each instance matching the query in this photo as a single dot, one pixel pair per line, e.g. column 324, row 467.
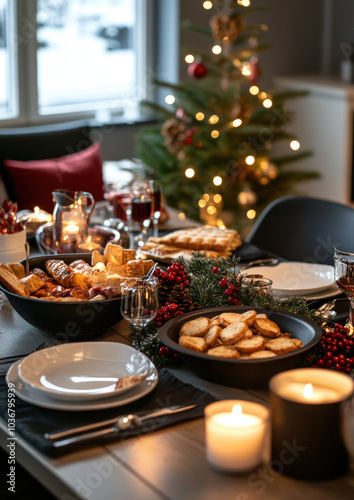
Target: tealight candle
column 306, row 425
column 89, row 246
column 235, row 434
column 71, row 229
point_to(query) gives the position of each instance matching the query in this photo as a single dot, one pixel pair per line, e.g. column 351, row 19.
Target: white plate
column 82, row 371
column 332, row 291
column 296, row 278
column 30, row 395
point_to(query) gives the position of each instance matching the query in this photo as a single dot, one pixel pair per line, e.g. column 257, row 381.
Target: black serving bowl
column 242, row 373
column 69, row 321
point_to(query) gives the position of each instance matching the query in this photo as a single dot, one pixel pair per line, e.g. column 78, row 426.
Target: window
column 77, row 57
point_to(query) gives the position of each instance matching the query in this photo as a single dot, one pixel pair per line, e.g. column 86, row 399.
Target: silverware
column 27, row 248
column 16, row 357
column 260, row 262
column 114, row 425
column 150, row 272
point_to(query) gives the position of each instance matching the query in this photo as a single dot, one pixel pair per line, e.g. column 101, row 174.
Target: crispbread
column 212, row 335
column 114, row 254
column 233, row 333
column 195, row 343
column 96, row 258
column 17, row 268
column 226, row 319
column 266, row 327
column 262, row 354
column 13, row 283
column 224, row 351
column 195, row 328
column 281, row 345
column 32, row 282
column 253, row 344
column 249, row 316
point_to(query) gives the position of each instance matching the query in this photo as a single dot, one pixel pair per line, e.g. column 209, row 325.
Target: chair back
column 300, row 228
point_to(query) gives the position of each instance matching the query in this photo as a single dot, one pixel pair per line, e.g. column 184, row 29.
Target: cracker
column 195, row 343
column 281, row 345
column 266, row 327
column 253, row 344
column 227, row 318
column 224, row 351
column 262, row 354
column 12, row 283
column 212, row 335
column 195, row 328
column 233, row 333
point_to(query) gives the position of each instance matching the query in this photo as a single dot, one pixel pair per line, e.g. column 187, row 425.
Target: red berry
column 215, row 270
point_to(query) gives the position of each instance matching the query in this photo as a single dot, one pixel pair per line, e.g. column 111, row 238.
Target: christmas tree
column 212, row 149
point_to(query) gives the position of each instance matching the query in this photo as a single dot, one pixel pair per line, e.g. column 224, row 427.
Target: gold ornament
column 226, row 28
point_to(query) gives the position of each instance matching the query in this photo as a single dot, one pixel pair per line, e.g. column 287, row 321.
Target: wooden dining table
column 168, row 464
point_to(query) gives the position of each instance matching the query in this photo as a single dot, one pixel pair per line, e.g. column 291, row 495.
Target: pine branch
column 280, row 161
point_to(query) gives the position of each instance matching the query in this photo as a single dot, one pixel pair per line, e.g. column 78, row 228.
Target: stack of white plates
column 82, row 376
column 312, row 281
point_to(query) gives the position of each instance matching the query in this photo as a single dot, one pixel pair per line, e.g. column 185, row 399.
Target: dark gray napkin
column 32, row 422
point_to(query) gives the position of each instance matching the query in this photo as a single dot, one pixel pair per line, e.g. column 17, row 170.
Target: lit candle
column 308, row 393
column 89, row 246
column 235, row 434
column 71, row 229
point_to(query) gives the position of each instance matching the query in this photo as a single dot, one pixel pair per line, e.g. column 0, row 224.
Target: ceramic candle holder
column 13, row 247
column 306, row 423
column 235, row 433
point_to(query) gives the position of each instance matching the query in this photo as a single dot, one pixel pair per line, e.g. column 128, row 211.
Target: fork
column 16, row 357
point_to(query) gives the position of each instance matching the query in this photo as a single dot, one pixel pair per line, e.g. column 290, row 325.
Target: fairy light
column 207, row 5
column 250, row 160
column 216, row 49
column 254, row 90
column 200, row 116
column 217, row 198
column 251, row 214
column 189, row 58
column 213, row 119
column 206, row 197
column 295, row 145
column 215, row 134
column 244, row 3
column 246, row 70
column 263, row 95
column 237, row 122
column 267, row 103
column 170, row 99
column 182, row 216
column 190, row 172
column 220, row 224
column 211, row 210
column 201, row 203
column 217, row 181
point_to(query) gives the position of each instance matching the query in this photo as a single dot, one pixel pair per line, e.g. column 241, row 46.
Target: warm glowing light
column 217, row 180
column 267, row 103
column 201, row 203
column 295, row 145
column 236, row 412
column 251, row 214
column 263, row 95
column 215, row 134
column 216, row 49
column 190, row 172
column 308, row 390
column 170, row 99
column 220, row 224
column 264, row 164
column 182, row 216
column 211, row 210
column 36, row 210
column 244, row 3
column 250, row 160
column 200, row 116
column 217, row 198
column 213, row 119
column 254, row 90
column 264, row 27
column 264, row 181
column 246, row 70
column 206, row 197
column 189, row 58
column 237, row 122
column 207, row 5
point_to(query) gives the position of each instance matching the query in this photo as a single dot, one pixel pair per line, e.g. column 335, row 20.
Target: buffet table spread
column 164, row 461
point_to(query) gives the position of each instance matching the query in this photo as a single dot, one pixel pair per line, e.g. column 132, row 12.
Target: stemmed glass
column 344, row 276
column 141, row 202
column 139, row 303
column 118, row 196
column 155, row 191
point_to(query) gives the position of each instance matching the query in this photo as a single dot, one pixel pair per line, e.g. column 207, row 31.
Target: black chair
column 300, row 228
column 41, row 143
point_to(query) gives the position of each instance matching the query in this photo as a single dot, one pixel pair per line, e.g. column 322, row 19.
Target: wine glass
column 139, row 303
column 141, row 201
column 155, row 191
column 119, row 198
column 344, row 276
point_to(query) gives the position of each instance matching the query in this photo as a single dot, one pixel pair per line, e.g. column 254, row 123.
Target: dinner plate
column 37, row 398
column 332, row 291
column 83, row 371
column 296, row 278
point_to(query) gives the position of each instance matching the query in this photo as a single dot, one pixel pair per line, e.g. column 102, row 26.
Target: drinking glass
column 155, row 192
column 119, row 197
column 141, row 207
column 139, row 303
column 344, row 276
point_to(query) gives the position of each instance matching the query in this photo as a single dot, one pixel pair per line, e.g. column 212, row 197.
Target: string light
column 207, row 5
column 190, row 172
column 200, row 116
column 220, row 224
column 244, row 3
column 189, row 58
column 250, row 160
column 217, row 181
column 211, row 210
column 237, row 122
column 267, row 103
column 251, row 214
column 213, row 119
column 246, row 69
column 182, row 216
column 217, row 198
column 263, row 95
column 215, row 134
column 254, row 90
column 170, row 99
column 216, row 49
column 295, row 145
column 201, row 203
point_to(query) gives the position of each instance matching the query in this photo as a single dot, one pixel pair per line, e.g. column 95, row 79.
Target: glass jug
column 70, row 218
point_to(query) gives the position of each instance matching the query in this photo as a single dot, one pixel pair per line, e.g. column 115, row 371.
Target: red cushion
column 34, row 181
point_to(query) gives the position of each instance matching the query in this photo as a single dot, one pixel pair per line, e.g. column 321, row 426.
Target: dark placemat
column 32, row 422
column 248, row 252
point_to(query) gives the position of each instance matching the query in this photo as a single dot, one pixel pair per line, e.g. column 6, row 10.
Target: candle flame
column 236, row 412
column 308, row 391
column 36, row 210
column 89, row 238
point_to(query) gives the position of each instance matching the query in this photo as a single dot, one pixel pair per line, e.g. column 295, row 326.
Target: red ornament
column 254, row 72
column 197, row 70
column 215, row 270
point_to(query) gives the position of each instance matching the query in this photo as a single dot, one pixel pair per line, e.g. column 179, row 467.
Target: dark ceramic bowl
column 69, row 321
column 242, row 373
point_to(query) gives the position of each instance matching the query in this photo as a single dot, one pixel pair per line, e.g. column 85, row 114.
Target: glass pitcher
column 71, row 216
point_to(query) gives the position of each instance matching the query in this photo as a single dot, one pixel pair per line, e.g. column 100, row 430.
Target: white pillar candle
column 235, row 434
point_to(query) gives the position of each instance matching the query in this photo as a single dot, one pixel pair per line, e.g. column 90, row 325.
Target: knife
column 113, row 425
